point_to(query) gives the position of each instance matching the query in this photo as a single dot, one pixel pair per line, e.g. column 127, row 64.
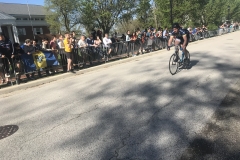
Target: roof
column 21, row 9
column 6, row 16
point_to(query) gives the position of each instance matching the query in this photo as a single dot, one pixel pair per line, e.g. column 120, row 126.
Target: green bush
column 212, row 27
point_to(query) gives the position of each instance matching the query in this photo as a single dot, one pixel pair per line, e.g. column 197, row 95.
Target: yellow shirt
column 66, row 45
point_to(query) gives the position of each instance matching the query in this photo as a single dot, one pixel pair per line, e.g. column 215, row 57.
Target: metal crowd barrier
column 82, row 56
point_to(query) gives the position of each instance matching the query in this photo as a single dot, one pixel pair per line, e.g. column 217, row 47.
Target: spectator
column 199, row 32
column 7, row 51
column 139, row 41
column 1, row 66
column 165, row 37
column 45, row 45
column 68, row 51
column 18, row 51
column 149, row 33
column 99, row 33
column 128, row 39
column 37, row 48
column 123, row 38
column 53, row 46
column 74, row 42
column 165, row 33
column 134, row 37
column 82, row 44
column 190, row 30
column 36, row 45
column 29, row 49
column 97, row 44
column 159, row 33
column 90, row 43
column 194, row 31
column 60, row 42
column 133, row 43
column 107, row 44
column 204, row 28
column 113, row 39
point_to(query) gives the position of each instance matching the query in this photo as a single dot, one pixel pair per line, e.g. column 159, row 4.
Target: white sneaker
column 7, row 75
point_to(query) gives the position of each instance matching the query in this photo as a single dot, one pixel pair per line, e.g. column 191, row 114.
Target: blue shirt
column 90, row 41
column 180, row 33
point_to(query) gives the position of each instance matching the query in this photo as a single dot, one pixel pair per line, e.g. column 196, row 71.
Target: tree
column 62, row 13
column 104, row 13
column 144, row 13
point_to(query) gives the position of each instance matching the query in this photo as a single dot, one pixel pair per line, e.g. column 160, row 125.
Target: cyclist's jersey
column 180, row 34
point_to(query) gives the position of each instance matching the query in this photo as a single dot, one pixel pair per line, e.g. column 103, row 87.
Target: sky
column 38, row 2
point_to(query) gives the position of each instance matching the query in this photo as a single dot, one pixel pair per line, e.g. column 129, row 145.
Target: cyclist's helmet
column 176, row 25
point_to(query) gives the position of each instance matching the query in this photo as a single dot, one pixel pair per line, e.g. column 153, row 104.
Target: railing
column 89, row 56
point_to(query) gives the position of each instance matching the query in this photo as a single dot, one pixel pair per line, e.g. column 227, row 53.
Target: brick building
column 21, row 21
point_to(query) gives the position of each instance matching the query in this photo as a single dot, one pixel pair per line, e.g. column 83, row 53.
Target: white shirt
column 82, row 43
column 107, row 42
column 60, row 44
column 164, row 34
column 128, row 38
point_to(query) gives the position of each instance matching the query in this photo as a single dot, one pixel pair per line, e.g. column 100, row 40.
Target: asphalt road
column 132, row 110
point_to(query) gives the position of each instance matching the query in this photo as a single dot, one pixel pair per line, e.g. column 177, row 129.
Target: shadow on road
column 220, row 138
column 193, row 63
column 152, row 117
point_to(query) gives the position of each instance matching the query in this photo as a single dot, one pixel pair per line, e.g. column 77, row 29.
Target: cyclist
column 181, row 37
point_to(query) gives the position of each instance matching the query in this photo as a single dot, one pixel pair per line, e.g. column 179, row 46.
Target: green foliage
column 144, row 13
column 105, row 13
column 62, row 13
column 198, row 12
column 212, row 27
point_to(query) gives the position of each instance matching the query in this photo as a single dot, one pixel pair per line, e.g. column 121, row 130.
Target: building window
column 37, row 19
column 38, row 31
column 21, row 31
column 25, row 18
column 18, row 19
column 42, row 19
column 32, row 19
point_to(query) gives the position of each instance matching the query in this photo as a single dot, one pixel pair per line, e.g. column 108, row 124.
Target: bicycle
column 174, row 67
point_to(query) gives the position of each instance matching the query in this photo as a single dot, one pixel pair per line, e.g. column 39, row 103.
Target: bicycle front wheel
column 173, row 66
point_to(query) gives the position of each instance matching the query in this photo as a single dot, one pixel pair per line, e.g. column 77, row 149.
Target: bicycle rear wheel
column 173, row 66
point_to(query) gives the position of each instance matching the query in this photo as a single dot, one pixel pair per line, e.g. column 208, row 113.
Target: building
column 21, row 21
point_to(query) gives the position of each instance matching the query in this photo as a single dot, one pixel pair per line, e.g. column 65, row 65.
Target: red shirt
column 53, row 45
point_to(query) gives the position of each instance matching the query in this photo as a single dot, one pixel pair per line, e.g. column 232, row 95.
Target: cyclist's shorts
column 182, row 40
